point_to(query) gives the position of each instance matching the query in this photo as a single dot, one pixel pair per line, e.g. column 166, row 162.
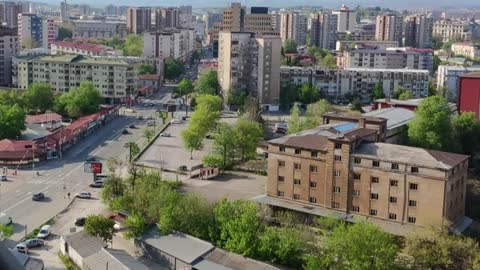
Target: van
column 44, row 232
column 5, row 219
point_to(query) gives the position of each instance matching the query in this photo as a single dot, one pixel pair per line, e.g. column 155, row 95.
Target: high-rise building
column 323, row 30
column 250, row 62
column 259, row 21
column 234, row 18
column 64, row 10
column 49, row 32
column 293, row 26
column 30, row 31
column 389, row 28
column 210, row 19
column 276, row 22
column 167, row 17
column 169, row 43
column 139, row 19
column 9, row 11
column 185, row 16
column 9, row 41
column 347, row 19
column 418, row 31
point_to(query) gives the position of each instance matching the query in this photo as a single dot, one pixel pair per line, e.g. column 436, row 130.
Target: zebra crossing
column 46, row 179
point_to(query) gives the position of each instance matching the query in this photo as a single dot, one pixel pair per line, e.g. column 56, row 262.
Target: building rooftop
column 387, row 70
column 84, row 244
column 43, row 118
column 98, row 60
column 395, row 116
column 219, row 259
column 409, row 155
column 471, row 75
column 83, row 46
column 115, row 259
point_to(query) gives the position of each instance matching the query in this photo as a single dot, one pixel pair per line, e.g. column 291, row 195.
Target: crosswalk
column 47, row 179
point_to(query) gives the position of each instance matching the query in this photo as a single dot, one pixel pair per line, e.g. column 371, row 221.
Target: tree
column 12, row 121
column 136, row 226
column 329, row 61
column 288, row 95
column 207, row 83
column 357, row 105
column 359, row 246
column 295, row 124
column 431, row 89
column 432, row 128
column 133, row 150
column 192, row 140
column 64, row 33
column 248, row 133
column 224, row 144
column 148, row 133
column 133, row 45
column 173, row 69
column 437, row 42
column 80, row 101
column 236, row 98
column 308, row 94
column 289, row 46
column 11, row 97
column 406, row 95
column 467, row 132
column 40, row 97
column 315, row 112
column 378, row 91
column 436, row 62
column 100, row 226
column 400, row 90
column 146, row 69
column 238, row 225
column 448, row 45
column 183, row 89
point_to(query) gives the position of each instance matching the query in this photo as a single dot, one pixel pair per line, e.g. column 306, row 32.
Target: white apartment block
column 450, row 30
column 293, row 26
column 448, row 76
column 169, row 43
column 250, row 62
column 114, row 78
column 365, row 44
column 326, row 80
column 347, row 19
column 98, row 29
column 466, row 49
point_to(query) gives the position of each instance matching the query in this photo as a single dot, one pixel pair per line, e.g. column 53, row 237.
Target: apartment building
column 323, row 30
column 455, row 30
column 210, row 19
column 418, row 31
column 259, row 21
column 449, row 77
column 9, row 48
column 115, row 78
column 365, row 44
column 466, row 49
column 293, row 26
column 167, row 17
column 169, row 43
column 276, row 21
column 389, row 28
column 50, row 31
column 80, row 48
column 139, row 19
column 250, row 62
column 30, row 31
column 389, row 58
column 347, row 19
column 99, row 29
column 343, row 169
column 9, row 11
column 326, row 80
column 185, row 16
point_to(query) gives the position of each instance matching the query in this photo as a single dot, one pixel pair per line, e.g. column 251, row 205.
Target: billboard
column 93, row 167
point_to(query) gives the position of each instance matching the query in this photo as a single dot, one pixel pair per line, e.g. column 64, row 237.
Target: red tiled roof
column 149, row 77
column 83, row 46
column 12, row 149
column 43, row 118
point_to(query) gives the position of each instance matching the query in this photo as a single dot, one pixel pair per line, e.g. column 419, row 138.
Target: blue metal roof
column 346, row 127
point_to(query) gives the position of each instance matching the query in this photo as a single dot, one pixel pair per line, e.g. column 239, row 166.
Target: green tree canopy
column 40, row 97
column 295, row 123
column 289, row 46
column 80, row 101
column 192, row 140
column 288, row 95
column 133, row 45
column 64, row 33
column 11, row 97
column 136, row 226
column 207, row 83
column 183, row 88
column 378, row 91
column 314, row 113
column 146, row 69
column 329, row 61
column 100, row 226
column 12, row 121
column 308, row 94
column 248, row 133
column 467, row 132
column 406, row 95
column 173, row 69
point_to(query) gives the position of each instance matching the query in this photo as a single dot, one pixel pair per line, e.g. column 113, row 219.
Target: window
column 296, row 196
column 414, row 169
column 373, row 212
column 413, row 186
column 281, row 178
column 357, row 160
column 281, row 148
column 338, row 146
column 412, row 203
column 392, row 216
column 312, row 199
column 374, row 196
column 281, row 163
column 374, row 179
column 394, row 166
column 394, row 183
column 280, row 193
column 357, row 176
column 336, row 189
column 376, row 163
column 338, row 158
column 356, row 192
column 313, row 169
column 314, row 154
column 298, row 151
column 335, row 205
column 313, row 184
column 412, row 219
column 337, row 173
column 355, row 208
column 297, row 166
column 296, row 181
column 393, row 199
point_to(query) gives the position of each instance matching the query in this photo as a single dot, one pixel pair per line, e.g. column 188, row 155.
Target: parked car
column 132, row 126
column 21, row 247
column 80, row 221
column 149, row 117
column 3, row 178
column 97, row 184
column 44, row 232
column 38, row 196
column 34, row 242
column 165, row 134
column 84, row 195
column 151, row 123
column 125, row 131
column 176, row 121
column 140, row 117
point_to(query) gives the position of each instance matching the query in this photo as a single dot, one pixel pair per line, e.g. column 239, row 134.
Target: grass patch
column 68, row 262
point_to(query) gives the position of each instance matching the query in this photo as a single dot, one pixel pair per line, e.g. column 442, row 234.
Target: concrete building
column 347, row 19
column 9, row 45
column 115, row 78
column 87, row 49
column 169, row 43
column 185, row 16
column 389, row 28
column 365, row 44
column 9, row 11
column 276, row 22
column 30, row 31
column 343, row 169
column 293, row 26
column 466, row 49
column 418, row 31
column 167, row 17
column 469, row 94
column 390, row 58
column 449, row 77
column 210, row 19
column 326, row 80
column 50, row 31
column 98, row 29
column 139, row 19
column 234, row 18
column 259, row 22
column 323, row 30
column 451, row 30
column 250, row 62
column 64, row 10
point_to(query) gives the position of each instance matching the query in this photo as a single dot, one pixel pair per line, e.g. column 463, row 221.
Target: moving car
column 132, row 126
column 80, row 221
column 3, row 178
column 140, row 117
column 34, row 242
column 97, row 184
column 165, row 134
column 38, row 196
column 44, row 232
column 125, row 131
column 84, row 195
column 22, row 247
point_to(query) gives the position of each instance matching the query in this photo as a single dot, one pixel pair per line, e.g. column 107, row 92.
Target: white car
column 165, row 134
column 44, row 232
column 84, row 195
column 176, row 121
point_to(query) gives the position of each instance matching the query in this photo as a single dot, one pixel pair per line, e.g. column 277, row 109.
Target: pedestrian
column 68, row 194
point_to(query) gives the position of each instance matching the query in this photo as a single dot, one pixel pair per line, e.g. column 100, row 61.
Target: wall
column 469, row 95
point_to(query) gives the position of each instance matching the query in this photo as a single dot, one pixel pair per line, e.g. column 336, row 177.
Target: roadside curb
column 135, row 158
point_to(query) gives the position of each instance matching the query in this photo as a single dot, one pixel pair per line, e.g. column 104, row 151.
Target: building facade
column 167, row 17
column 252, row 63
column 139, row 19
column 469, row 94
column 455, row 30
column 449, row 77
column 169, row 43
column 35, row 31
column 185, row 16
column 9, row 45
column 389, row 28
column 418, row 31
column 98, row 29
column 323, row 30
column 293, row 26
column 87, row 49
column 9, row 11
column 365, row 44
column 466, row 49
column 347, row 19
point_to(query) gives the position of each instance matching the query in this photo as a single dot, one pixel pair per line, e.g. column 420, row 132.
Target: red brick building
column 469, row 93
